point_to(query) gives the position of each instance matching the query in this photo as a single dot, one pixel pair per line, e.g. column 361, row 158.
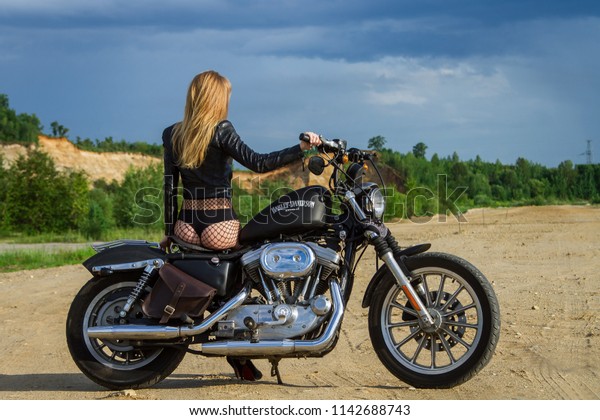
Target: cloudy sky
column 497, row 78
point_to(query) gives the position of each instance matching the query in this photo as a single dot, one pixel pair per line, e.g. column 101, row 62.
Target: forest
column 37, row 198
column 425, row 183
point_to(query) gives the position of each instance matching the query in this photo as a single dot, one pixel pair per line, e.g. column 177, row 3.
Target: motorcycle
column 434, row 319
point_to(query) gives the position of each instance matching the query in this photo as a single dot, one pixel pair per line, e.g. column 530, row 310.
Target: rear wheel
column 115, row 364
column 466, row 323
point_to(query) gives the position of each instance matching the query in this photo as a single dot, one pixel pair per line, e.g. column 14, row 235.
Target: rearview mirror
column 316, row 165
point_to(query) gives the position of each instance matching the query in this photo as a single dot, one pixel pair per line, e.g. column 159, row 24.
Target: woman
column 200, row 149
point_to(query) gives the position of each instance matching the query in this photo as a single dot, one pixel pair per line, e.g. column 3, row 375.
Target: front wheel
column 115, row 364
column 466, row 328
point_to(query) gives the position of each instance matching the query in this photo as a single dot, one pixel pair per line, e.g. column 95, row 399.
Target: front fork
column 386, row 254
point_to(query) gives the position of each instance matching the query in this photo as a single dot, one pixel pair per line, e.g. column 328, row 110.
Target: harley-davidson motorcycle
column 434, row 320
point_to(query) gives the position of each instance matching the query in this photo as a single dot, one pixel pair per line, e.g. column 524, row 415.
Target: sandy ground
column 543, row 262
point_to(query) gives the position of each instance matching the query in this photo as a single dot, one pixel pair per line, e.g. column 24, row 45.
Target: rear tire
column 467, row 315
column 114, row 364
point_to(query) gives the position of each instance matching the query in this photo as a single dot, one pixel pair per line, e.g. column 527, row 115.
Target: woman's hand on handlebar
column 310, row 140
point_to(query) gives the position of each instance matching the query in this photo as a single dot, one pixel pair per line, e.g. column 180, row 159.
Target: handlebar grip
column 326, row 145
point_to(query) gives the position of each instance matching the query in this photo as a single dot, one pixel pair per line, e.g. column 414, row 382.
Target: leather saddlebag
column 177, row 295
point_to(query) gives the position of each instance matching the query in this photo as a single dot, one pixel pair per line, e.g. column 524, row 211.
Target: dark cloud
column 239, row 14
column 496, row 78
column 351, row 29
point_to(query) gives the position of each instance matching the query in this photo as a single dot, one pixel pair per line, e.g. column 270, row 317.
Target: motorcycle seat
column 191, row 248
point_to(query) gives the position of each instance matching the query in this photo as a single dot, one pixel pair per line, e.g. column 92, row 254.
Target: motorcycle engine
column 285, row 261
column 292, row 279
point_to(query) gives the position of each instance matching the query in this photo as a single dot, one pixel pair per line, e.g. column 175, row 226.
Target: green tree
column 395, row 207
column 512, row 185
column 537, row 189
column 419, row 150
column 585, row 186
column 40, row 199
column 58, row 130
column 376, row 143
column 563, row 179
column 138, row 199
column 99, row 219
column 22, row 128
column 459, row 173
column 76, row 191
column 499, row 193
column 523, row 169
column 4, row 177
column 479, row 185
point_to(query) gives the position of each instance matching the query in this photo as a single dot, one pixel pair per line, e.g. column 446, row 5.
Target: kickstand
column 275, row 369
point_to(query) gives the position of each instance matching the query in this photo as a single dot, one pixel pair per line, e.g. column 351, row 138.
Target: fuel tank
column 296, row 212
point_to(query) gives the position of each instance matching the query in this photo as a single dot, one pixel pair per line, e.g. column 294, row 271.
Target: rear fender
column 376, row 279
column 124, row 258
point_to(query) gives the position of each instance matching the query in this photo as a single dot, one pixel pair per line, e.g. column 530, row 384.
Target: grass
column 41, row 238
column 150, row 234
column 31, row 259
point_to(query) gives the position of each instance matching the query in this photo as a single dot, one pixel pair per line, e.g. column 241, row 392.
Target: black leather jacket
column 213, row 177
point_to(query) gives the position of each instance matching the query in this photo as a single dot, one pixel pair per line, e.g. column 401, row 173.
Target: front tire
column 114, row 364
column 467, row 323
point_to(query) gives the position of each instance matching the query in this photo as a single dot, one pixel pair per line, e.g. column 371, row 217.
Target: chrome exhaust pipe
column 157, row 332
column 281, row 347
column 230, row 348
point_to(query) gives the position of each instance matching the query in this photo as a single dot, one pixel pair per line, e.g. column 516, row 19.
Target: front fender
column 376, row 279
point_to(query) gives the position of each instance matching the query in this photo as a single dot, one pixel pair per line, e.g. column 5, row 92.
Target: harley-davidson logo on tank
column 294, row 205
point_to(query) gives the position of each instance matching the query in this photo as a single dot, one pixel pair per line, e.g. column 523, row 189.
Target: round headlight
column 375, row 204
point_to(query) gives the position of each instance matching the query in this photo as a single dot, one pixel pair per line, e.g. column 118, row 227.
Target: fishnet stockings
column 222, row 235
column 217, row 236
column 186, row 233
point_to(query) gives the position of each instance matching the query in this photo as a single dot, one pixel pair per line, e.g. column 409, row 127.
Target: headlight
column 375, row 204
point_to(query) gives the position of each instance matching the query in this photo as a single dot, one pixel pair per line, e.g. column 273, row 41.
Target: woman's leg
column 186, row 232
column 221, row 235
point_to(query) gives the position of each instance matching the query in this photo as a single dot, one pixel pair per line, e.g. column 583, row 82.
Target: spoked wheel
column 466, row 326
column 115, row 364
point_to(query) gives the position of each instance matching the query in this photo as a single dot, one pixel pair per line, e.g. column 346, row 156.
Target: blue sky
column 499, row 79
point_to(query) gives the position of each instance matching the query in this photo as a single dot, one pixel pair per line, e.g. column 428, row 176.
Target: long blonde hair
column 206, row 105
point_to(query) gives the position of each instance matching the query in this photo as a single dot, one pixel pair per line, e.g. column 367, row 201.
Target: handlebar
column 356, row 155
column 342, row 155
column 326, row 145
column 334, row 146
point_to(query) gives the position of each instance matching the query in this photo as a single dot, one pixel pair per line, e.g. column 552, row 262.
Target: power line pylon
column 588, row 152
